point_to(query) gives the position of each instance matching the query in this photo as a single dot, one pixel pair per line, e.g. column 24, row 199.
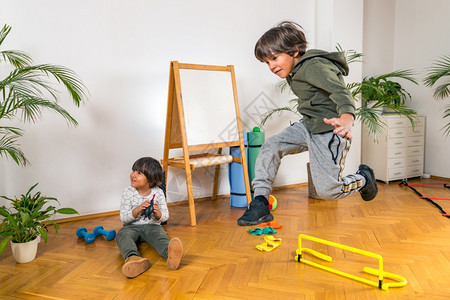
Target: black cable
column 404, row 183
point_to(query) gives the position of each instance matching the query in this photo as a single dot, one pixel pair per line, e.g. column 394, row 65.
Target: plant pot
column 387, row 110
column 25, row 252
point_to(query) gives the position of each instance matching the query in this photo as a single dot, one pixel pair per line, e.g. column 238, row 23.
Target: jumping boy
column 328, row 110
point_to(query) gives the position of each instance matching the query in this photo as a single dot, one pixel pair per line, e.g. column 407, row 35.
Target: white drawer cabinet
column 399, row 154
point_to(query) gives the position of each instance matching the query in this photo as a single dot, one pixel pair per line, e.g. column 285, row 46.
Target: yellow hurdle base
column 380, row 273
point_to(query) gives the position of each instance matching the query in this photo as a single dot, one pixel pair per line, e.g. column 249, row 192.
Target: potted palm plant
column 381, row 94
column 27, row 90
column 26, row 222
column 440, row 71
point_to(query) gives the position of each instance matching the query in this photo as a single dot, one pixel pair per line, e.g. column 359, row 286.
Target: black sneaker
column 370, row 189
column 257, row 212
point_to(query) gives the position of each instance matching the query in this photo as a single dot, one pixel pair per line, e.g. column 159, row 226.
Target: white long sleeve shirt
column 132, row 199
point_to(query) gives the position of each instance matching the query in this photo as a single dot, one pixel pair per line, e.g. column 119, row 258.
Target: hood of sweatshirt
column 338, row 58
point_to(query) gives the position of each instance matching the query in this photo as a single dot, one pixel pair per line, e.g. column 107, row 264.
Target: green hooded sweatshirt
column 317, row 80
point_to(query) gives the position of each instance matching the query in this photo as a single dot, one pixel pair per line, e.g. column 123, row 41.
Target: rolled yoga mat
column 238, row 197
column 255, row 141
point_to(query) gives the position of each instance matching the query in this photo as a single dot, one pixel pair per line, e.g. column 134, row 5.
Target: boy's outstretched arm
column 343, row 125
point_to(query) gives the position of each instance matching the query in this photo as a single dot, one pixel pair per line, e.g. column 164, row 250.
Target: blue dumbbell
column 110, row 234
column 89, row 237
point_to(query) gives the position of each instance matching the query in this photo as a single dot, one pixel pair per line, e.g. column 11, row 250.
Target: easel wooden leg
column 190, row 192
column 216, row 178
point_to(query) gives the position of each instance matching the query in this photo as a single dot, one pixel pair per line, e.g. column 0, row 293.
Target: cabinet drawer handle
column 397, row 173
column 397, row 163
column 416, row 160
column 397, row 153
column 415, row 151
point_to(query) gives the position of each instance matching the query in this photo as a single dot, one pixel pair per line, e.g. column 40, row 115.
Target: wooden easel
column 183, row 132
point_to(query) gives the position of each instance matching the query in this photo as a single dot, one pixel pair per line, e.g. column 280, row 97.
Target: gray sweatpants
column 130, row 235
column 327, row 152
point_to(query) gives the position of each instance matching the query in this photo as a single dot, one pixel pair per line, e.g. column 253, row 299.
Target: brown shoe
column 134, row 266
column 175, row 253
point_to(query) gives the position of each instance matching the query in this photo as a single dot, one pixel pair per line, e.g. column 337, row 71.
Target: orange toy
column 272, row 202
column 272, row 224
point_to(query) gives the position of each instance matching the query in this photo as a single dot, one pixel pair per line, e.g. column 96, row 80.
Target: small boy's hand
column 343, row 125
column 156, row 212
column 144, row 205
column 140, row 208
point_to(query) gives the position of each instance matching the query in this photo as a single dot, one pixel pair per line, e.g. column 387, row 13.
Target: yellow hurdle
column 380, row 273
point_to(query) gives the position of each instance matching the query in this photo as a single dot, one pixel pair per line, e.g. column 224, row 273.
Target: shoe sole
column 175, row 253
column 263, row 219
column 374, row 183
column 135, row 268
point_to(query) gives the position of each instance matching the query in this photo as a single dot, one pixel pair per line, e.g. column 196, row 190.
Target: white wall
column 378, row 41
column 411, row 34
column 122, row 50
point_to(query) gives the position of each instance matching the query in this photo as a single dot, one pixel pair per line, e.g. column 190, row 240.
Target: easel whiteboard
column 203, row 114
column 209, row 107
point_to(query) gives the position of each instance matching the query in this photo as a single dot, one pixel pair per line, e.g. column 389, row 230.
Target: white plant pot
column 25, row 252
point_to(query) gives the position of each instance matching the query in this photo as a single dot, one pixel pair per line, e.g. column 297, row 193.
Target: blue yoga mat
column 236, row 177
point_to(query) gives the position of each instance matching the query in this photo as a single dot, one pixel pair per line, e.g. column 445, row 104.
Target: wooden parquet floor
column 221, row 262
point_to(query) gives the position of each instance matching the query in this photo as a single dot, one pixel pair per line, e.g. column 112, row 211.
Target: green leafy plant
column 377, row 93
column 440, row 70
column 28, row 90
column 381, row 94
column 29, row 217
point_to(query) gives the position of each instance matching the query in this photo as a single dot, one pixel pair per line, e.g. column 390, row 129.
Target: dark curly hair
column 286, row 37
column 151, row 168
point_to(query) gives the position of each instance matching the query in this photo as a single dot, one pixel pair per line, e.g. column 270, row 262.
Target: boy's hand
column 156, row 212
column 138, row 209
column 343, row 125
